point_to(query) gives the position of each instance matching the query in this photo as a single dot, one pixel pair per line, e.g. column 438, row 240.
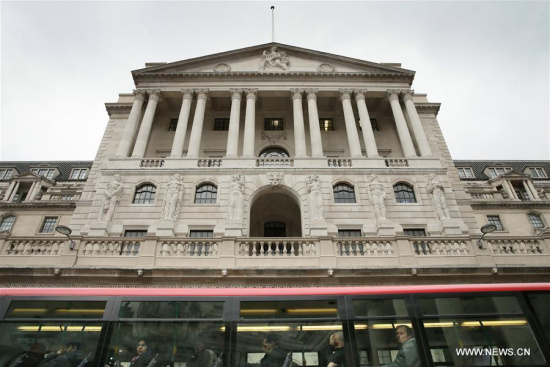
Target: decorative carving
column 2, row 194
column 407, row 94
column 435, row 187
column 275, row 179
column 110, row 198
column 154, row 94
column 296, row 93
column 236, row 94
column 392, row 94
column 359, row 94
column 325, row 68
column 202, row 93
column 274, row 58
column 174, row 194
column 140, row 94
column 315, row 199
column 377, row 196
column 312, row 93
column 503, row 193
column 251, row 94
column 222, row 68
column 236, row 198
column 345, row 94
column 273, row 139
column 541, row 193
column 188, row 94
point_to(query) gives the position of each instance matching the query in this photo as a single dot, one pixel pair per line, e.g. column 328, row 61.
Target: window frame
column 467, row 173
column 341, row 200
column 171, row 125
column 153, row 195
column 350, row 231
column 374, row 124
column 498, row 223
column 135, row 231
column 43, row 225
column 492, row 171
column 206, row 200
column 80, row 171
column 408, row 232
column 3, row 220
column 50, row 172
column 269, row 126
column 198, row 233
column 399, row 200
column 221, row 124
column 329, row 126
column 540, row 218
column 6, row 174
column 538, row 174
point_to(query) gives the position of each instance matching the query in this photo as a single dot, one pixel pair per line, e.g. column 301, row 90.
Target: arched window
column 274, row 152
column 7, row 223
column 535, row 220
column 145, row 194
column 343, row 193
column 404, row 193
column 206, row 194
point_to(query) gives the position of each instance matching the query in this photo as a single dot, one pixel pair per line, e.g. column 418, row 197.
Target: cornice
column 483, row 203
column 423, row 107
column 37, row 205
column 113, row 108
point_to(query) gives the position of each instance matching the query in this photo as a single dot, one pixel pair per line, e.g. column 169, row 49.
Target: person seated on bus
column 145, row 356
column 274, row 355
column 408, row 353
column 68, row 356
column 336, row 354
column 32, row 358
column 202, row 357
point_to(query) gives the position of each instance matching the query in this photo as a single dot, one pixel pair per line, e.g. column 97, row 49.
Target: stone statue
column 110, row 198
column 377, row 196
column 436, row 189
column 236, row 198
column 2, row 194
column 315, row 199
column 274, row 58
column 174, row 194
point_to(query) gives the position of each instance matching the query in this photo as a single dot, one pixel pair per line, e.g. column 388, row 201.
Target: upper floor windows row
column 345, row 193
column 492, row 172
column 204, row 194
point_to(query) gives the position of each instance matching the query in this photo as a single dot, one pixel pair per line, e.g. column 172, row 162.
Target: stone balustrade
column 515, row 247
column 110, row 248
column 152, row 163
column 339, row 162
column 482, row 195
column 359, row 247
column 397, row 162
column 34, row 247
column 189, row 248
column 209, row 162
column 274, row 162
column 278, row 248
column 441, row 247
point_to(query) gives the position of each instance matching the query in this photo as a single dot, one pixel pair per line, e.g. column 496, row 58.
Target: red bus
column 395, row 326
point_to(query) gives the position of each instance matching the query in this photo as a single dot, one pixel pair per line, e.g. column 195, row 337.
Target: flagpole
column 272, row 24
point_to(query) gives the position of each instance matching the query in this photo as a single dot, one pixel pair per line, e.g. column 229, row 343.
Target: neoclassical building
column 273, row 165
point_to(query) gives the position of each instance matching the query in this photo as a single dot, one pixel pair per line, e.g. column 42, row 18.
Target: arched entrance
column 275, row 214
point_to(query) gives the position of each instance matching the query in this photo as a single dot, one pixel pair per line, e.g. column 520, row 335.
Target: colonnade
column 251, row 95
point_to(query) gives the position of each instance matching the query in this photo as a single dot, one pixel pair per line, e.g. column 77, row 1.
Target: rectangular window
column 349, row 233
column 221, row 124
column 56, row 309
column 288, row 309
column 495, row 219
column 48, row 226
column 415, row 232
column 497, row 171
column 201, row 233
column 374, row 125
column 273, row 124
column 326, row 124
column 535, row 172
column 135, row 233
column 44, row 172
column 535, row 220
column 465, row 172
column 171, row 310
column 5, row 174
column 79, row 174
column 173, row 124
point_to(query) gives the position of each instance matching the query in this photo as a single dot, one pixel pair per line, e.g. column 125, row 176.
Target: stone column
column 198, row 120
column 234, row 119
column 533, row 190
column 314, row 128
column 351, row 128
column 416, row 124
column 510, row 189
column 183, row 120
column 299, row 130
column 32, row 192
column 145, row 128
column 131, row 124
column 366, row 127
column 9, row 191
column 14, row 192
column 250, row 123
column 401, row 124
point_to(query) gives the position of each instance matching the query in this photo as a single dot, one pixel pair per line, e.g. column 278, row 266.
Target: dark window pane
column 374, row 125
column 535, row 220
column 344, row 193
column 273, row 124
column 49, row 225
column 274, row 153
column 135, row 233
column 326, row 124
column 288, row 309
column 469, row 305
column 145, row 194
column 404, row 193
column 495, row 219
column 56, row 309
column 415, row 232
column 206, row 194
column 221, row 124
column 379, row 307
column 173, row 125
column 171, row 310
column 274, row 229
column 540, row 302
column 349, row 233
column 7, row 223
column 201, row 234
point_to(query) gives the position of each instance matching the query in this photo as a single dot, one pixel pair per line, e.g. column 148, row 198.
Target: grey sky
column 486, row 62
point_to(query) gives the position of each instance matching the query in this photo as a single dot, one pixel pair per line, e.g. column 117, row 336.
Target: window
column 44, row 172
column 145, row 194
column 495, row 219
column 415, row 232
column 273, row 124
column 135, row 233
column 343, row 193
column 536, row 220
column 173, row 125
column 5, row 174
column 201, row 233
column 465, row 172
column 221, row 124
column 274, row 229
column 404, row 193
column 497, row 171
column 7, row 223
column 48, row 225
column 349, row 233
column 79, row 174
column 274, row 152
column 206, row 194
column 374, row 125
column 326, row 124
column 535, row 172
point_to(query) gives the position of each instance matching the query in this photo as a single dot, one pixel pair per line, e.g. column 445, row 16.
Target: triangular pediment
column 511, row 175
column 274, row 58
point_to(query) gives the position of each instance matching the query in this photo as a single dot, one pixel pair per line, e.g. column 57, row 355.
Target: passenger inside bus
column 408, row 353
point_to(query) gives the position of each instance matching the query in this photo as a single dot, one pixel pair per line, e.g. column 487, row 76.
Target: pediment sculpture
column 274, row 58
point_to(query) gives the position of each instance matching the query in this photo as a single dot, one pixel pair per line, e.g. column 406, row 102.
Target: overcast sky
column 486, row 62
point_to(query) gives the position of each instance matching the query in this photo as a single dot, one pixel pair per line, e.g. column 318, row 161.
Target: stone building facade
column 273, row 165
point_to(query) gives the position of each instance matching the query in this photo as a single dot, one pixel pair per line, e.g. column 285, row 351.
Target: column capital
column 311, row 93
column 407, row 94
column 154, row 94
column 345, row 94
column 140, row 94
column 251, row 94
column 296, row 93
column 359, row 94
column 236, row 94
column 393, row 94
column 202, row 93
column 187, row 94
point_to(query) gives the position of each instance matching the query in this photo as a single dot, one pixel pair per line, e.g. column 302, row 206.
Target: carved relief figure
column 436, row 189
column 174, row 193
column 236, row 198
column 110, row 198
column 275, row 179
column 377, row 196
column 2, row 194
column 275, row 59
column 315, row 199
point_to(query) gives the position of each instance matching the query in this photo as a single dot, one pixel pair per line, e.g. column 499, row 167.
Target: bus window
column 288, row 309
column 379, row 307
column 540, row 302
column 56, row 309
column 171, row 310
column 470, row 305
